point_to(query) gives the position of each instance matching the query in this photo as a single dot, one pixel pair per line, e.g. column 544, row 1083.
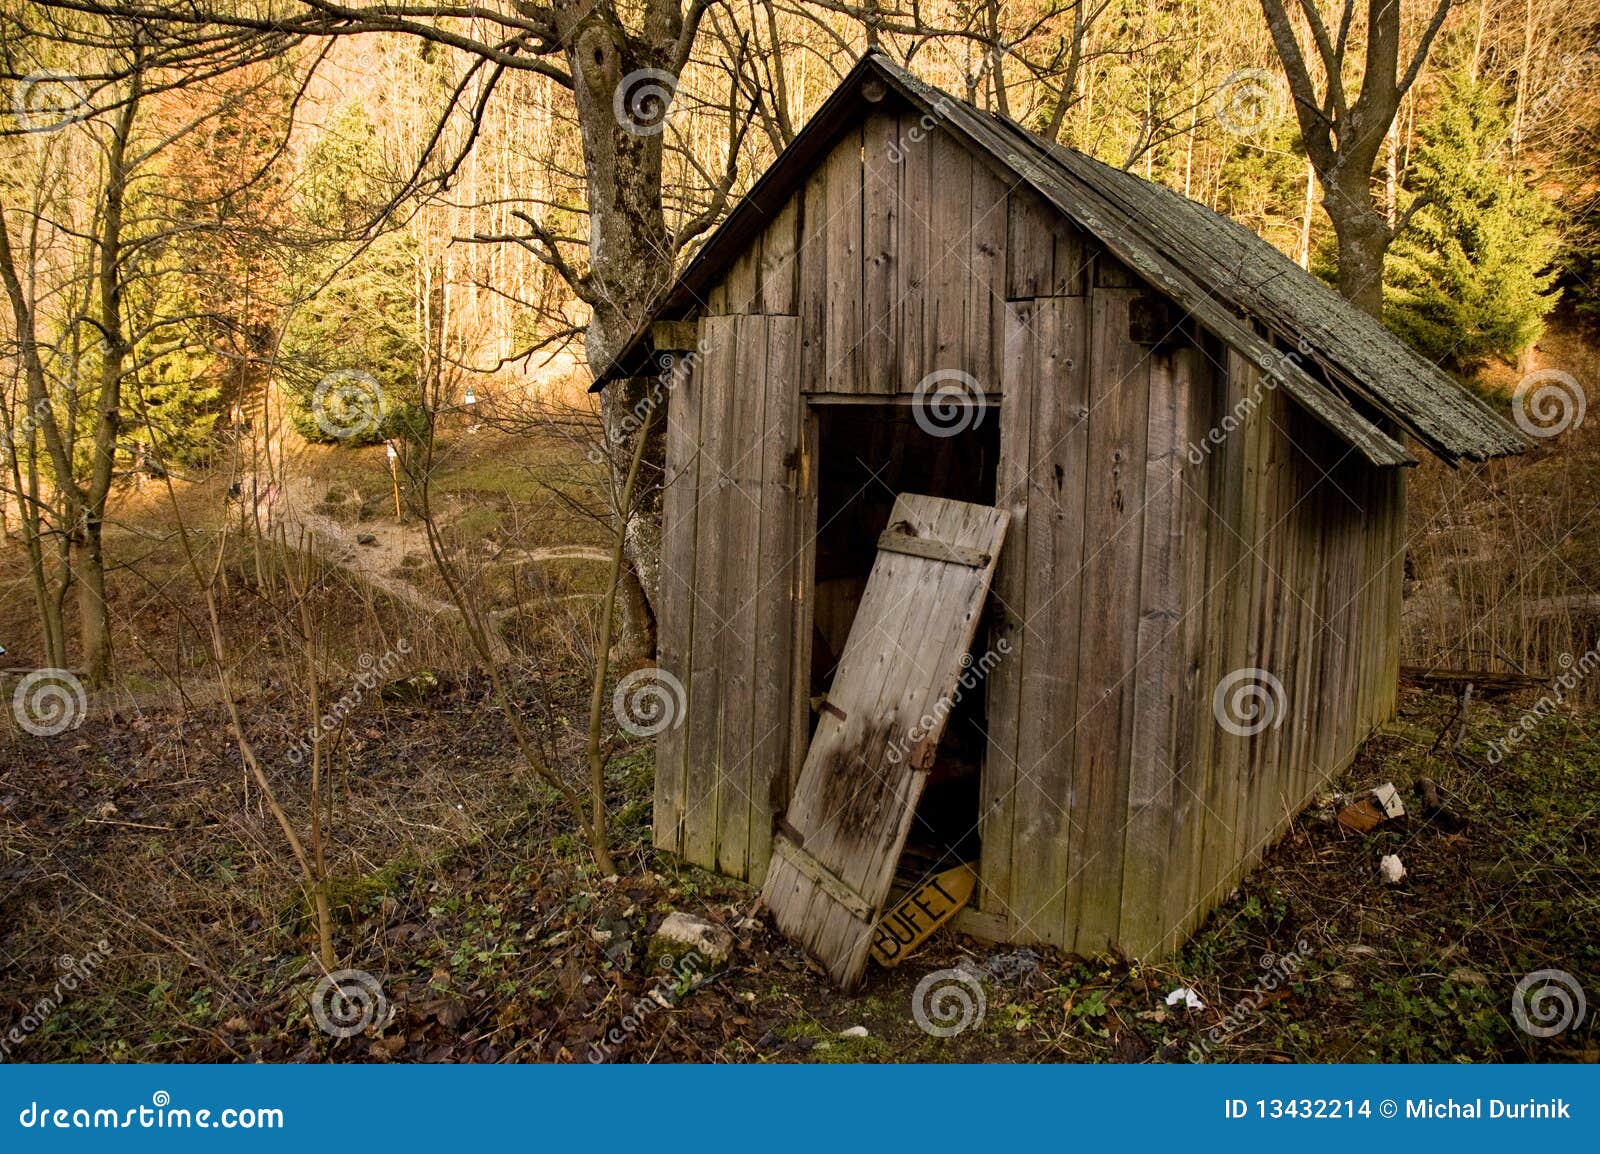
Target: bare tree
column 1343, row 137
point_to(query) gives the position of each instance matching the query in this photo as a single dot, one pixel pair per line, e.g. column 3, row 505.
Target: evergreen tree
column 351, row 354
column 1469, row 278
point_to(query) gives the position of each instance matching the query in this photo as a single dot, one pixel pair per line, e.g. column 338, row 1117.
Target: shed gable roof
column 1226, row 276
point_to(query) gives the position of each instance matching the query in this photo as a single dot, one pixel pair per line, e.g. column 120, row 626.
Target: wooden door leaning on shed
column 835, row 851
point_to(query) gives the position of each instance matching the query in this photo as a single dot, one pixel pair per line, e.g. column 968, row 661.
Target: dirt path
column 378, row 548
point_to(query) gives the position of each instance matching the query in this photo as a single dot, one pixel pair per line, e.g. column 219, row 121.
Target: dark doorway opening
column 868, row 454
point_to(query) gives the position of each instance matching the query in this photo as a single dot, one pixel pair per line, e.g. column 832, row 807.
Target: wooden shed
column 1019, row 512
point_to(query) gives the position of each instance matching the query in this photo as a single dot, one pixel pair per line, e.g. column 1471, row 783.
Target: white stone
column 1391, row 870
column 854, row 1032
column 682, row 932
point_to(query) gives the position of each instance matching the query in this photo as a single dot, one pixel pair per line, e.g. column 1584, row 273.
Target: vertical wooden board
column 1071, row 260
column 741, row 578
column 917, row 185
column 675, row 620
column 774, row 593
column 880, row 195
column 743, row 281
column 804, row 592
column 998, row 788
column 1119, row 373
column 1191, row 759
column 779, row 260
column 705, row 725
column 812, row 281
column 1238, row 588
column 1147, row 868
column 1030, row 246
column 842, row 308
column 1224, row 567
column 986, row 274
column 947, row 275
column 1045, row 830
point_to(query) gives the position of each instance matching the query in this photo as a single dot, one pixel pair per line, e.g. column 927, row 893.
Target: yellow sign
column 920, row 912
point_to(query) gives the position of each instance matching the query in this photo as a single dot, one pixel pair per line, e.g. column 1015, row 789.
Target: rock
column 1465, row 977
column 366, row 539
column 1390, row 869
column 854, row 1032
column 685, row 938
column 1341, row 981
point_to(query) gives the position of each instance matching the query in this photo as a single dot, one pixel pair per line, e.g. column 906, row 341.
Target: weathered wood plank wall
column 1139, row 573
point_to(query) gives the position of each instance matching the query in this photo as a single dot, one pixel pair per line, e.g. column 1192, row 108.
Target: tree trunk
column 630, row 265
column 1363, row 238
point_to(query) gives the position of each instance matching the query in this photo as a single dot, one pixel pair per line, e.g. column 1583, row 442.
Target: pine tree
column 1469, row 278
